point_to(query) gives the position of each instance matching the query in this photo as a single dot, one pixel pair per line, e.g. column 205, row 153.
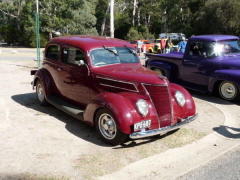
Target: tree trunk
column 138, row 16
column 50, row 35
column 104, row 20
column 112, row 19
column 134, row 12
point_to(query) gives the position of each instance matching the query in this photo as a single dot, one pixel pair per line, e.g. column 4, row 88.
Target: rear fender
column 46, row 79
column 224, row 75
column 123, row 108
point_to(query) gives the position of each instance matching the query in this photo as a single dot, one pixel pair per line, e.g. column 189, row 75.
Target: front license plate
column 142, row 125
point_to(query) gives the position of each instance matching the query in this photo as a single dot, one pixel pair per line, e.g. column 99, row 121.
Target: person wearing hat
column 182, row 45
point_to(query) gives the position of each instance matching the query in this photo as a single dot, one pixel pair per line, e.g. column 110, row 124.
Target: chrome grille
column 161, row 100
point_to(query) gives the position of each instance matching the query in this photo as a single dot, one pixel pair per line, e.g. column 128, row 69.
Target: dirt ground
column 44, row 143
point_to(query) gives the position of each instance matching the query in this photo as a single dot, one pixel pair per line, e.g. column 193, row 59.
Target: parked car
column 146, row 44
column 209, row 64
column 101, row 81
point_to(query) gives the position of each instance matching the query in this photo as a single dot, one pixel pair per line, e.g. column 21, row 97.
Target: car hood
column 130, row 72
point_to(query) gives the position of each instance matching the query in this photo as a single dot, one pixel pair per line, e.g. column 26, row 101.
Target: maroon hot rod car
column 101, row 81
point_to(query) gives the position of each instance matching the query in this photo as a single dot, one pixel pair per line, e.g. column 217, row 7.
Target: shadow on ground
column 74, row 126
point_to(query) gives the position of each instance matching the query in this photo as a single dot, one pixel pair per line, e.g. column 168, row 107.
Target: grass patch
column 111, row 160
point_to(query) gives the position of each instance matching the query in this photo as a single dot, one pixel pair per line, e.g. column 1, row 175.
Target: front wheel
column 107, row 128
column 159, row 71
column 228, row 90
column 41, row 94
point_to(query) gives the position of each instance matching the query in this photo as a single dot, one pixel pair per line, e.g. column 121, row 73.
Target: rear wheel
column 40, row 92
column 107, row 128
column 228, row 90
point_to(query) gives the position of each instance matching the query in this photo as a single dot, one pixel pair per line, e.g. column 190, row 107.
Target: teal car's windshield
column 113, row 55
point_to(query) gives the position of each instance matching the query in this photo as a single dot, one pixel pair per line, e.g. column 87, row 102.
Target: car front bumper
column 154, row 132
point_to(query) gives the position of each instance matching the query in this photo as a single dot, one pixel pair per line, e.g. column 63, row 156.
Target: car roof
column 86, row 42
column 213, row 37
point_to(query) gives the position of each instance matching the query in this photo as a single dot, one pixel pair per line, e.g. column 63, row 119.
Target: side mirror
column 81, row 63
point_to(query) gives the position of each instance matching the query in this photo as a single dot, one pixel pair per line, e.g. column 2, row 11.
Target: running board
column 68, row 108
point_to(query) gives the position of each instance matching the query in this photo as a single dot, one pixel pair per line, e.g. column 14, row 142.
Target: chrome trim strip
column 154, row 132
column 117, row 87
column 136, row 90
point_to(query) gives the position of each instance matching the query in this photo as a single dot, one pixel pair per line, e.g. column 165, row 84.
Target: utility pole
column 37, row 35
column 112, row 19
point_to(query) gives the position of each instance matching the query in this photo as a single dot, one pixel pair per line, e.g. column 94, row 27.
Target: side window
column 72, row 55
column 53, row 52
column 197, row 49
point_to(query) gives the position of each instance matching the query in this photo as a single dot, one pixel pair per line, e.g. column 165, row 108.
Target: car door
column 195, row 66
column 74, row 79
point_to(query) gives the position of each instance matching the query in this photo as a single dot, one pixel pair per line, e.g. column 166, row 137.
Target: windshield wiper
column 110, row 50
column 130, row 50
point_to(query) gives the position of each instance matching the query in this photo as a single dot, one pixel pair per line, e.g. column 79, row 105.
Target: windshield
column 113, row 55
column 222, row 48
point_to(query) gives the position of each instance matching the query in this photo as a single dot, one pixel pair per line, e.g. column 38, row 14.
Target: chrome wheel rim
column 107, row 126
column 228, row 90
column 40, row 92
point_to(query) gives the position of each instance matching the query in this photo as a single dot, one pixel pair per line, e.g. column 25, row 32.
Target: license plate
column 142, row 125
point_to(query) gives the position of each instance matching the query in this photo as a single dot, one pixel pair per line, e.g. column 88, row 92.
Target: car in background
column 210, row 64
column 100, row 81
column 147, row 43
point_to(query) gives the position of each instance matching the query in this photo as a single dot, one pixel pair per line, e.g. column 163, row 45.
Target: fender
column 45, row 77
column 232, row 75
column 123, row 108
column 189, row 109
column 165, row 67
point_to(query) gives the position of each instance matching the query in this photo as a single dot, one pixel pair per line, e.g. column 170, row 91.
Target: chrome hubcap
column 228, row 90
column 40, row 92
column 107, row 126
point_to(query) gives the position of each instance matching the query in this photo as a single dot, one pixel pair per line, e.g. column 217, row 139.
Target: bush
column 140, row 32
column 10, row 34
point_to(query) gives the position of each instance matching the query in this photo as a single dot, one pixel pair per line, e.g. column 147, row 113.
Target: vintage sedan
column 101, row 81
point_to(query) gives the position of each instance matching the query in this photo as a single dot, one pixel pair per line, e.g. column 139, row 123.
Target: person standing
column 139, row 46
column 162, row 44
column 169, row 45
column 182, row 45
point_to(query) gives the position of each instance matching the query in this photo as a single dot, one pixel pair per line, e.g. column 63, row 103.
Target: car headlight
column 180, row 98
column 142, row 107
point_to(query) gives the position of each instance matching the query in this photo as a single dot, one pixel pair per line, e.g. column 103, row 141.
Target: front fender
column 189, row 109
column 232, row 75
column 164, row 67
column 123, row 108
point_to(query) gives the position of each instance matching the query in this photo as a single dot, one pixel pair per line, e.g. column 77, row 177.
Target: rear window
column 53, row 52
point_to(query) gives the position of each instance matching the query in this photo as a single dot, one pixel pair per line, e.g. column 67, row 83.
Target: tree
column 218, row 17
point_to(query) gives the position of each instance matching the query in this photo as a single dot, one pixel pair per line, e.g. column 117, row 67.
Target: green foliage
column 151, row 18
column 10, row 34
column 140, row 32
column 43, row 40
column 221, row 17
